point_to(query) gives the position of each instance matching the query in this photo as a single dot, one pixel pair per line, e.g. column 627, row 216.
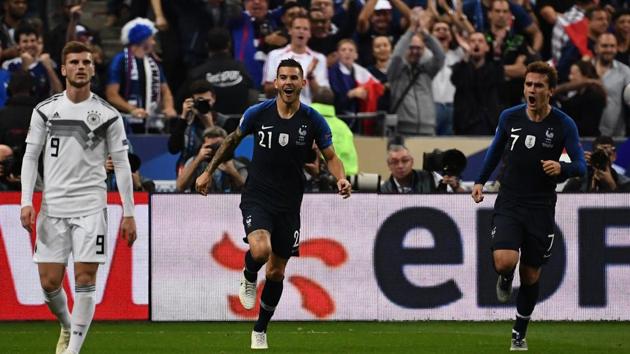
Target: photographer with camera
column 447, row 167
column 9, row 175
column 404, row 179
column 197, row 115
column 600, row 176
column 229, row 177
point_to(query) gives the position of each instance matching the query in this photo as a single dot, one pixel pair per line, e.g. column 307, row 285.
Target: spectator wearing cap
column 231, row 82
column 229, row 177
column 410, row 75
column 39, row 65
column 376, row 19
column 136, row 84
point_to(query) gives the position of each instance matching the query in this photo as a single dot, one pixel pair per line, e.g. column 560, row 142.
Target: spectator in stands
column 410, row 74
column 230, row 80
column 569, row 22
column 9, row 175
column 382, row 54
column 343, row 139
column 5, row 77
column 325, row 35
column 136, row 84
column 404, row 179
column 281, row 37
column 376, row 19
column 313, row 63
column 443, row 89
column 600, row 176
column 229, row 177
column 521, row 23
column 355, row 89
column 15, row 117
column 621, row 21
column 477, row 79
column 572, row 51
column 39, row 65
column 616, row 76
column 583, row 98
column 197, row 115
column 250, row 35
column 548, row 12
column 14, row 13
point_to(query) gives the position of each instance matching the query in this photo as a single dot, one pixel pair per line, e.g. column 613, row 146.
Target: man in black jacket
column 404, row 179
column 229, row 77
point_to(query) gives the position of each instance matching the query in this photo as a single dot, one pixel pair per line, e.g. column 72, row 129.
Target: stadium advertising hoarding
column 387, row 257
column 122, row 282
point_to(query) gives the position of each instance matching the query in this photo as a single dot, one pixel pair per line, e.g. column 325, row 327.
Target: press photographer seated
column 600, row 176
column 229, row 177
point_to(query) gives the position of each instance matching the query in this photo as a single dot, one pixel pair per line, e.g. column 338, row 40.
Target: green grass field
column 323, row 337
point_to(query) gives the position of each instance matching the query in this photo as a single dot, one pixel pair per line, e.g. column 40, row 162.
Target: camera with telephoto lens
column 202, row 105
column 600, row 159
column 448, row 163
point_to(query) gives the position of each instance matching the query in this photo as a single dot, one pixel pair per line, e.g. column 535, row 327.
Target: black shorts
column 529, row 229
column 284, row 228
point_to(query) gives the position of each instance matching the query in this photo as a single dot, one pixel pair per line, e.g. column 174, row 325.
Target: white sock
column 58, row 304
column 82, row 313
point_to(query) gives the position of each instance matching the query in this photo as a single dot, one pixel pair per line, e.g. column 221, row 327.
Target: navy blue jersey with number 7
column 523, row 144
column 281, row 147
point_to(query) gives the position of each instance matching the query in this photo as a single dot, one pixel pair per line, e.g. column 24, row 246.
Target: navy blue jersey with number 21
column 281, row 146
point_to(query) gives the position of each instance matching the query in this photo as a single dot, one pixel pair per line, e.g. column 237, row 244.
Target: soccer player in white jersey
column 75, row 131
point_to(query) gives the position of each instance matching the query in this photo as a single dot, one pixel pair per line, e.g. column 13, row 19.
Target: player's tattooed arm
column 226, row 150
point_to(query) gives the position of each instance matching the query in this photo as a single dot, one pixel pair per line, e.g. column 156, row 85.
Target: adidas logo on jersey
column 56, row 115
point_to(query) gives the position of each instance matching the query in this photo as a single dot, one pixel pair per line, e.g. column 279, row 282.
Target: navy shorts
column 530, row 230
column 284, row 228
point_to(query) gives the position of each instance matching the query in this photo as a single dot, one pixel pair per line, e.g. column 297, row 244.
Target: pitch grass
column 323, row 337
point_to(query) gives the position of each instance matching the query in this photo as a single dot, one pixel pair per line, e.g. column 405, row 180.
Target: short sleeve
column 323, row 135
column 269, row 72
column 321, row 73
column 116, row 137
column 246, row 125
column 37, row 129
column 114, row 74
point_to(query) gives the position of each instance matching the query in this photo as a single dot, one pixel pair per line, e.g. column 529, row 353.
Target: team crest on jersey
column 301, row 139
column 93, row 118
column 530, row 141
column 283, row 139
column 548, row 141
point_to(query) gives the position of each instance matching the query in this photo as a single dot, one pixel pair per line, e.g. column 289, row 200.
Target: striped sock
column 58, row 304
column 82, row 313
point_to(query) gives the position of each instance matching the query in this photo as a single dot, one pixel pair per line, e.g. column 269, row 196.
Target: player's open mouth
column 531, row 100
column 288, row 91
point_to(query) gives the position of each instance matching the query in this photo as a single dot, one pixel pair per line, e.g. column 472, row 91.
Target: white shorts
column 84, row 236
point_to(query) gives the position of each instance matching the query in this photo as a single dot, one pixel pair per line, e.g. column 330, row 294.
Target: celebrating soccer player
column 284, row 130
column 532, row 137
column 76, row 130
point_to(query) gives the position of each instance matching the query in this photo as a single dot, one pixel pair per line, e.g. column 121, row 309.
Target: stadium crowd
column 442, row 67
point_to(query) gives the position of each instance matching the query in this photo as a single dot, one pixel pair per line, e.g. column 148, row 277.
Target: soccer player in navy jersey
column 532, row 137
column 284, row 130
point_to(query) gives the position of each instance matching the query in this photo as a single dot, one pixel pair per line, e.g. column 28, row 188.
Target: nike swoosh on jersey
column 268, row 127
column 515, row 129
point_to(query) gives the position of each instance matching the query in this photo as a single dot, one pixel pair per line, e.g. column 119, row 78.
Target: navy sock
column 525, row 302
column 268, row 301
column 251, row 267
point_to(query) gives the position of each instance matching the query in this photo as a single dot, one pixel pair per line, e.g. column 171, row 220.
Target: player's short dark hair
column 24, row 29
column 21, row 83
column 218, row 40
column 201, row 86
column 540, row 67
column 290, row 63
column 591, row 12
column 603, row 140
column 74, row 47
